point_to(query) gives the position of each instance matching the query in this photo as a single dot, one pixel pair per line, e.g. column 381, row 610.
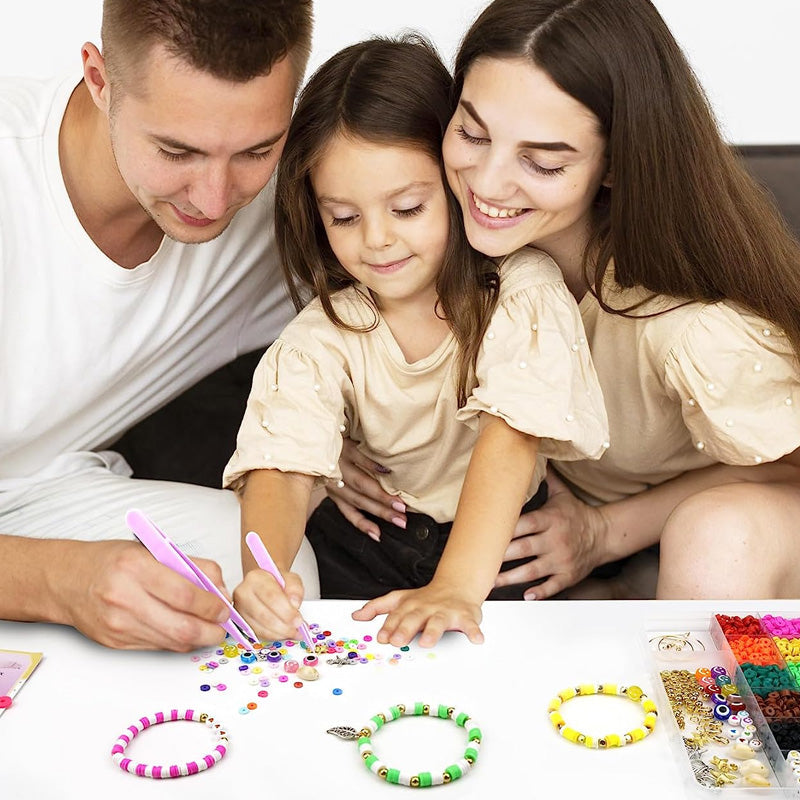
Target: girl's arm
column 570, row 538
column 274, row 505
column 500, row 471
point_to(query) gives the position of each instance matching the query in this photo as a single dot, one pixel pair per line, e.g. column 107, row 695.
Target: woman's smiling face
column 524, row 158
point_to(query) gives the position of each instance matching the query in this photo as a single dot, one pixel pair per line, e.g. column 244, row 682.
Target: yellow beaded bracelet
column 612, row 739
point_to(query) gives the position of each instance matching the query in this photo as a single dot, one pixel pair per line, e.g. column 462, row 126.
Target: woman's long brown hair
column 683, row 217
column 393, row 92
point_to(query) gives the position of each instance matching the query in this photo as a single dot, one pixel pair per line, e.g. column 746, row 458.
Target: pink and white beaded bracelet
column 175, row 770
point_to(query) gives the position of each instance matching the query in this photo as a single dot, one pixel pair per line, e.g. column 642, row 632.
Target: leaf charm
column 343, row 732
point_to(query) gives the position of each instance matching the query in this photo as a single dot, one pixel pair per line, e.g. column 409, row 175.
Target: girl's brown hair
column 683, row 217
column 393, row 92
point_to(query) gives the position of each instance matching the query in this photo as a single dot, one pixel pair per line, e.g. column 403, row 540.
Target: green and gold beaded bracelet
column 419, row 780
column 612, row 739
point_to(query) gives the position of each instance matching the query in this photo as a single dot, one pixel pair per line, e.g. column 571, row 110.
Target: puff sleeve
column 294, row 417
column 738, row 383
column 534, row 368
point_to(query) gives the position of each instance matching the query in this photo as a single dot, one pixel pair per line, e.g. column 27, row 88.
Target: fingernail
column 400, row 506
column 529, row 596
column 374, row 535
column 381, row 468
column 400, row 522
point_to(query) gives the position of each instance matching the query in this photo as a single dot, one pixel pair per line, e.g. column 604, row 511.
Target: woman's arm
column 499, row 474
column 570, row 538
column 274, row 505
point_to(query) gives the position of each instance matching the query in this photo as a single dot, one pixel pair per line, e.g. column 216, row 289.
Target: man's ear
column 95, row 76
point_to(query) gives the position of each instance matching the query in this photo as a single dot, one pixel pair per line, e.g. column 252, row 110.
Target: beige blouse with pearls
column 318, row 383
column 700, row 384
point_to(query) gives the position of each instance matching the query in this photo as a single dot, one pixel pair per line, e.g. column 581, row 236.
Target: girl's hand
column 362, row 492
column 431, row 610
column 273, row 613
column 566, row 535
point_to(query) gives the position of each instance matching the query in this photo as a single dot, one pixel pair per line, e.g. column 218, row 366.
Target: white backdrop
column 745, row 53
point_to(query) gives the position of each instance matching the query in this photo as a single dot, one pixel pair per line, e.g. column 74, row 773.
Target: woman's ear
column 608, row 181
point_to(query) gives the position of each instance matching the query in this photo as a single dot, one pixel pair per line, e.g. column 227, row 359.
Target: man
column 136, row 257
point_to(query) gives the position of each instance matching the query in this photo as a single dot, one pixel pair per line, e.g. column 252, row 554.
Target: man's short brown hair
column 234, row 40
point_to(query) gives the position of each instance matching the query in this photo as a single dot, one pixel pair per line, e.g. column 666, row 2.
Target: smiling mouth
column 496, row 212
column 390, row 266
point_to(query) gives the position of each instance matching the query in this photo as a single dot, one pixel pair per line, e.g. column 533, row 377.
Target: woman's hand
column 431, row 611
column 273, row 612
column 567, row 537
column 361, row 492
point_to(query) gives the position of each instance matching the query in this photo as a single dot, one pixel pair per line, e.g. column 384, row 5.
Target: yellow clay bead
column 610, row 688
column 612, row 740
column 590, row 742
column 638, row 734
column 567, row 694
column 649, row 706
column 570, row 733
column 587, row 688
column 556, row 719
column 650, row 721
column 555, row 704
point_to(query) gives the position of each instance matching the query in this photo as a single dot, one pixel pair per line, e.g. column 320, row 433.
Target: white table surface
column 56, row 738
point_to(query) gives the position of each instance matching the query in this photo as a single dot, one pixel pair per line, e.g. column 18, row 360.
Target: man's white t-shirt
column 88, row 348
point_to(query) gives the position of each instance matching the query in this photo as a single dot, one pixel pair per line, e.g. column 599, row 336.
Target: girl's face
column 524, row 159
column 385, row 213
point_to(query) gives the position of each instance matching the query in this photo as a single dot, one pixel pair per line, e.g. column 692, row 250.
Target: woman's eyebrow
column 552, row 146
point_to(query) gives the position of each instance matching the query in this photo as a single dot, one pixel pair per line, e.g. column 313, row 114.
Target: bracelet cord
column 633, row 693
column 421, row 779
column 174, row 770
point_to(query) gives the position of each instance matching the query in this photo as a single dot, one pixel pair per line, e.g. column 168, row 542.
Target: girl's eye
column 410, row 212
column 467, row 137
column 341, row 221
column 170, row 156
column 540, row 170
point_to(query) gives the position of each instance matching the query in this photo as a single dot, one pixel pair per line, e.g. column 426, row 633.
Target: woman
column 580, row 129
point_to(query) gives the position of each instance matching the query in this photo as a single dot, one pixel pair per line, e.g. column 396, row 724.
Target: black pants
column 352, row 566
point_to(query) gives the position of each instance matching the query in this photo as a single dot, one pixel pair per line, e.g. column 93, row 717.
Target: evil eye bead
column 721, row 711
column 274, row 656
column 310, row 661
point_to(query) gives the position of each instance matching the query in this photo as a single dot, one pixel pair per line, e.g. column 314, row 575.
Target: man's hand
column 116, row 593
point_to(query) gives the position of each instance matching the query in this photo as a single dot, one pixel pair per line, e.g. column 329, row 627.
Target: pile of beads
column 611, row 739
column 277, row 662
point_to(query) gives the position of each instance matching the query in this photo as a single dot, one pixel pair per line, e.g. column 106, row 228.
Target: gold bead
column 366, row 754
column 365, row 733
column 446, row 777
column 469, row 759
column 415, row 781
column 602, row 742
column 450, row 710
column 581, row 738
column 381, row 717
column 383, row 772
column 203, row 717
column 426, row 708
column 401, row 708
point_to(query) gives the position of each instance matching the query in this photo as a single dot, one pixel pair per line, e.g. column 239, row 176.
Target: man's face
column 194, row 149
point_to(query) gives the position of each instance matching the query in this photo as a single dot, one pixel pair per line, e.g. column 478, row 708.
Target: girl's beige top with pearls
column 700, row 384
column 318, row 383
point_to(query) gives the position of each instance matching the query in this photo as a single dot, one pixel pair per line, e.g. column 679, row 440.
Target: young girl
column 415, row 346
column 583, row 122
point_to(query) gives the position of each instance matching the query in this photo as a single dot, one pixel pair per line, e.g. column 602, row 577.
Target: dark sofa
column 192, row 438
